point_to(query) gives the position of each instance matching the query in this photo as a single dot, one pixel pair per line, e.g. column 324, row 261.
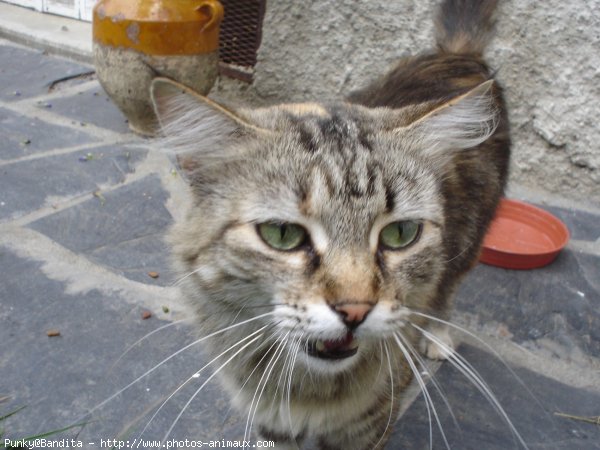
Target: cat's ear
column 463, row 122
column 195, row 128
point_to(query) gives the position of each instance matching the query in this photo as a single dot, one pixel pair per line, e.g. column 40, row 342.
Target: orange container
column 159, row 27
column 523, row 236
column 136, row 41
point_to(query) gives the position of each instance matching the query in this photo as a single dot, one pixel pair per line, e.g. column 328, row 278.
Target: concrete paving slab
column 558, row 303
column 29, row 73
column 582, row 225
column 28, row 185
column 90, row 106
column 24, row 136
column 122, row 229
column 530, row 401
column 59, row 379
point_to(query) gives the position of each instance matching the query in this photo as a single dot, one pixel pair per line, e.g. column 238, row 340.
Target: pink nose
column 353, row 314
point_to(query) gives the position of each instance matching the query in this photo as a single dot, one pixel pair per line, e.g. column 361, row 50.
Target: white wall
column 78, row 9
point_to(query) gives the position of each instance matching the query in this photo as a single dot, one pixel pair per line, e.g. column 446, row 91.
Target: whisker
column 289, row 390
column 266, row 305
column 258, row 363
column 266, row 353
column 420, row 382
column 267, row 372
column 381, row 343
column 471, row 374
column 458, row 255
column 285, row 377
column 387, row 425
column 180, row 280
column 278, row 344
column 195, row 375
column 202, row 386
column 244, row 306
column 487, row 346
column 428, row 400
column 288, row 360
column 144, row 338
column 283, row 373
column 435, row 383
column 216, row 333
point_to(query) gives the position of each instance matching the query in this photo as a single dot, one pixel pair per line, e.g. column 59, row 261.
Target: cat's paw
column 280, row 440
column 441, row 348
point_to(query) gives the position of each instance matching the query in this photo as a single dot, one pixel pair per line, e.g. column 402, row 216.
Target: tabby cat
column 325, row 239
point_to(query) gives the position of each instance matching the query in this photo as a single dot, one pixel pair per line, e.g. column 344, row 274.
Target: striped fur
column 428, row 142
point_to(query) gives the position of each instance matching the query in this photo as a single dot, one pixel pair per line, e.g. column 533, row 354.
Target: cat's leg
column 371, row 438
column 442, row 349
column 440, row 346
column 282, row 440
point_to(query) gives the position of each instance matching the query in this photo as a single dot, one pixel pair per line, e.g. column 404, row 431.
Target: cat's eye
column 398, row 235
column 282, row 236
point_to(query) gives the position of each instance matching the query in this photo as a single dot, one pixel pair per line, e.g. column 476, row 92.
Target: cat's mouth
column 342, row 348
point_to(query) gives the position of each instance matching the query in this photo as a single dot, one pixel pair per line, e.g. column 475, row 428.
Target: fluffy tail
column 464, row 27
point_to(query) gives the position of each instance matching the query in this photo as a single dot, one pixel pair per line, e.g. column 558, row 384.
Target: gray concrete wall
column 547, row 55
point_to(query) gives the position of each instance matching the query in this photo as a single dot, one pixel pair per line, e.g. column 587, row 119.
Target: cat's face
column 329, row 218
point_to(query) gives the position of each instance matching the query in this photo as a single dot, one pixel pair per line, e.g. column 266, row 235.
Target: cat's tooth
column 353, row 344
column 320, row 346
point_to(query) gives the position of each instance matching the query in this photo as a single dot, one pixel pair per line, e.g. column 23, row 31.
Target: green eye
column 282, row 236
column 398, row 235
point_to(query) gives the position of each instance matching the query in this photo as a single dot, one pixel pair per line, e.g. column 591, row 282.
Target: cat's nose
column 353, row 314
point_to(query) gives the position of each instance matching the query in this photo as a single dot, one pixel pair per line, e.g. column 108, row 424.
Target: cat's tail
column 464, row 27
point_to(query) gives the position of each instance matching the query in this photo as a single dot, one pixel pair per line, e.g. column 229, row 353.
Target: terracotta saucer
column 523, row 236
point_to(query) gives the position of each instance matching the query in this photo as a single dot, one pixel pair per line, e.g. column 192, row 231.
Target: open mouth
column 342, row 348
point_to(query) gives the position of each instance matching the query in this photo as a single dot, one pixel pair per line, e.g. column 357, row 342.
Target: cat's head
column 328, row 217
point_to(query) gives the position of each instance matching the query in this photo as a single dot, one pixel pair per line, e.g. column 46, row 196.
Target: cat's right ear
column 461, row 123
column 195, row 128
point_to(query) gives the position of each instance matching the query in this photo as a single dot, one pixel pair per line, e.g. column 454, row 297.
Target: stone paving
column 83, row 209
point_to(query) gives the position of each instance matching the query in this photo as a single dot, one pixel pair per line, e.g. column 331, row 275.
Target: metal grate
column 240, row 36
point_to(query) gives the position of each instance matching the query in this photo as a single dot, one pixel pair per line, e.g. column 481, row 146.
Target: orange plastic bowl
column 522, row 236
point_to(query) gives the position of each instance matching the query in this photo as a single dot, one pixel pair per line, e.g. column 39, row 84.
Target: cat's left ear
column 195, row 128
column 463, row 122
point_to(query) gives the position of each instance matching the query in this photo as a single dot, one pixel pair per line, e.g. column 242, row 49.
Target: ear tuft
column 461, row 123
column 191, row 123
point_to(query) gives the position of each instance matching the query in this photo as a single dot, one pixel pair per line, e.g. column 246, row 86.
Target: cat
column 325, row 241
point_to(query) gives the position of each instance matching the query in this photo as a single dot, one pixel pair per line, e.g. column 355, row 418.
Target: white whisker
column 262, row 384
column 381, row 343
column 428, row 401
column 471, row 374
column 282, row 376
column 266, row 353
column 458, row 255
column 421, row 386
column 387, row 353
column 144, row 338
column 202, row 386
column 180, row 280
column 148, row 372
column 486, row 345
column 289, row 385
column 195, row 375
column 436, row 385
